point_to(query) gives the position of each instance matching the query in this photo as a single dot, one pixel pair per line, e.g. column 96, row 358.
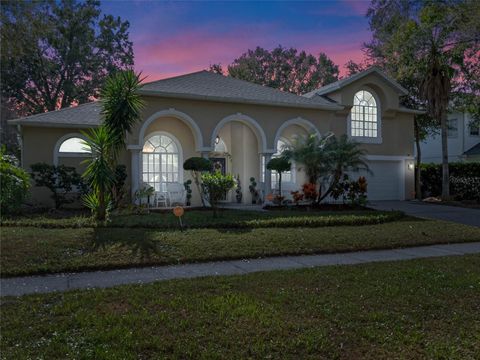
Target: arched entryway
column 238, row 142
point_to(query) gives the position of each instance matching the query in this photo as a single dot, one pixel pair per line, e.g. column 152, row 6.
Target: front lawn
column 29, row 250
column 203, row 219
column 425, row 308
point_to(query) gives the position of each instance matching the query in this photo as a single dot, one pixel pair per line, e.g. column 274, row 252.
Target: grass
column 203, row 219
column 425, row 308
column 28, row 250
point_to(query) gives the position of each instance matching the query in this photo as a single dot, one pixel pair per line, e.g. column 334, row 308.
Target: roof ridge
column 174, row 77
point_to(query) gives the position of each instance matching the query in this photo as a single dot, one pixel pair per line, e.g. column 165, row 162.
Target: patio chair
column 175, row 194
column 161, row 198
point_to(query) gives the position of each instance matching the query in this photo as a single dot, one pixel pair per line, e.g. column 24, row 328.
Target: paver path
column 432, row 211
column 103, row 279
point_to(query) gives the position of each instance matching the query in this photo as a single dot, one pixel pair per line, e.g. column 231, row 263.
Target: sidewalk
column 104, row 279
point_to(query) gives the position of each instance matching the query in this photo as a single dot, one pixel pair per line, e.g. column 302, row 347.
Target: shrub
column 465, row 188
column 310, row 192
column 355, row 191
column 253, row 190
column 118, row 190
column 431, row 176
column 63, row 181
column 216, row 186
column 197, row 166
column 14, row 184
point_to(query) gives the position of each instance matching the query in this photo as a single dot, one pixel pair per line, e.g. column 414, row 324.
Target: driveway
column 432, row 211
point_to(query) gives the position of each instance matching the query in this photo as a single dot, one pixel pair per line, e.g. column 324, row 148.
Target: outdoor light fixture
column 410, row 166
column 217, row 140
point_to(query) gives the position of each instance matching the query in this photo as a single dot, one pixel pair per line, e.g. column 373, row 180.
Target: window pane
column 364, row 115
column 74, row 145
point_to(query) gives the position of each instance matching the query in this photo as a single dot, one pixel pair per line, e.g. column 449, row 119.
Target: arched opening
column 69, row 148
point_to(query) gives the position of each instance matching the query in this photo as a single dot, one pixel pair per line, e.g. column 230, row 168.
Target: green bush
column 216, row 185
column 431, row 176
column 14, row 182
column 63, row 181
column 465, row 188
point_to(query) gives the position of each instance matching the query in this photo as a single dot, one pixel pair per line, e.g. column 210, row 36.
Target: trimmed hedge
column 431, row 176
column 275, row 222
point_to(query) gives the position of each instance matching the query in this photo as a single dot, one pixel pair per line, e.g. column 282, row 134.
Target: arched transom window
column 73, row 145
column 364, row 115
column 161, row 157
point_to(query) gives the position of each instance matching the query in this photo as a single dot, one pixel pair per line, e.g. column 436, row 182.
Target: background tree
column 58, row 53
column 282, row 68
column 426, row 44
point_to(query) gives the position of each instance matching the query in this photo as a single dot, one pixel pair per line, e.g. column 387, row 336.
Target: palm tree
column 121, row 106
column 435, row 89
column 309, row 153
column 99, row 173
column 343, row 155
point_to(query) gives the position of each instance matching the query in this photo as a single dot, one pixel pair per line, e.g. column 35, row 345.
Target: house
column 463, row 141
column 240, row 126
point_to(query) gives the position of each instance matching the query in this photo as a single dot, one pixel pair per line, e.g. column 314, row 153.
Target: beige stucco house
column 241, row 126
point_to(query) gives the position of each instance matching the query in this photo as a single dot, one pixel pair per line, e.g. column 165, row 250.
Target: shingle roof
column 337, row 85
column 85, row 115
column 474, row 150
column 205, row 85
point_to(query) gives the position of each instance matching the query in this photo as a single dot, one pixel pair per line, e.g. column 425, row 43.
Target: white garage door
column 386, row 182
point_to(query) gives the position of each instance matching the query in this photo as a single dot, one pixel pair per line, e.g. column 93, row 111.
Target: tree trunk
column 280, row 187
column 101, row 211
column 418, row 188
column 445, row 174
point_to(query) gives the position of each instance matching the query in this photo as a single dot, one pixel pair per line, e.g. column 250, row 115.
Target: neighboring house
column 463, row 141
column 240, row 126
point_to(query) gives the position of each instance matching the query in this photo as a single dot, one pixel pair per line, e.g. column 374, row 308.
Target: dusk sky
column 172, row 38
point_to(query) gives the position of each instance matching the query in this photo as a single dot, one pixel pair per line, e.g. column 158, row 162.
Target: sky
column 176, row 37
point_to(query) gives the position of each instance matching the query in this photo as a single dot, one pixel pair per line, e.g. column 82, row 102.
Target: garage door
column 386, row 182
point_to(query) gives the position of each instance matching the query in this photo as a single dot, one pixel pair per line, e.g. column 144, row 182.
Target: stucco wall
column 397, row 130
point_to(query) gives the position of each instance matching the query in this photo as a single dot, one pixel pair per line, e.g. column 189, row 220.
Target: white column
column 268, row 174
column 136, row 173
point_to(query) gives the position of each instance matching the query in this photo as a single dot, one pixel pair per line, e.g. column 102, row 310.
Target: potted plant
column 238, row 190
column 253, row 190
column 187, row 184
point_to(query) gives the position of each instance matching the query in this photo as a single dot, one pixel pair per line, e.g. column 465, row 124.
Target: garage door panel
column 385, row 182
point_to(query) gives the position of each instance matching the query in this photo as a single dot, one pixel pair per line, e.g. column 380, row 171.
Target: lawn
column 204, row 219
column 425, row 308
column 29, row 250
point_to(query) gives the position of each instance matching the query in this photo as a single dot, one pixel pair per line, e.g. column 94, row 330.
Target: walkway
column 432, row 211
column 104, row 279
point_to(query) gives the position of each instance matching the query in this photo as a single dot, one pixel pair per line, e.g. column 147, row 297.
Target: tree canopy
column 282, row 68
column 58, row 53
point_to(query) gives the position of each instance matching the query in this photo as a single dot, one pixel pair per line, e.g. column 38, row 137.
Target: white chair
column 175, row 194
column 287, row 188
column 161, row 198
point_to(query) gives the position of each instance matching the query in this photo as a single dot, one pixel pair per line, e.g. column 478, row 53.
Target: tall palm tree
column 435, row 89
column 121, row 106
column 99, row 173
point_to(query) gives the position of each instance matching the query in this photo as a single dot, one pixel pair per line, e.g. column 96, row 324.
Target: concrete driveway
column 431, row 211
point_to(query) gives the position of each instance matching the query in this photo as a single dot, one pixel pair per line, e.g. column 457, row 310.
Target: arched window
column 364, row 116
column 70, row 146
column 161, row 161
column 287, row 176
column 73, row 145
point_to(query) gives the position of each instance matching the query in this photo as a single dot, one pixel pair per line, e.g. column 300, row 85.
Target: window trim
column 56, row 151
column 365, row 139
column 179, row 149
